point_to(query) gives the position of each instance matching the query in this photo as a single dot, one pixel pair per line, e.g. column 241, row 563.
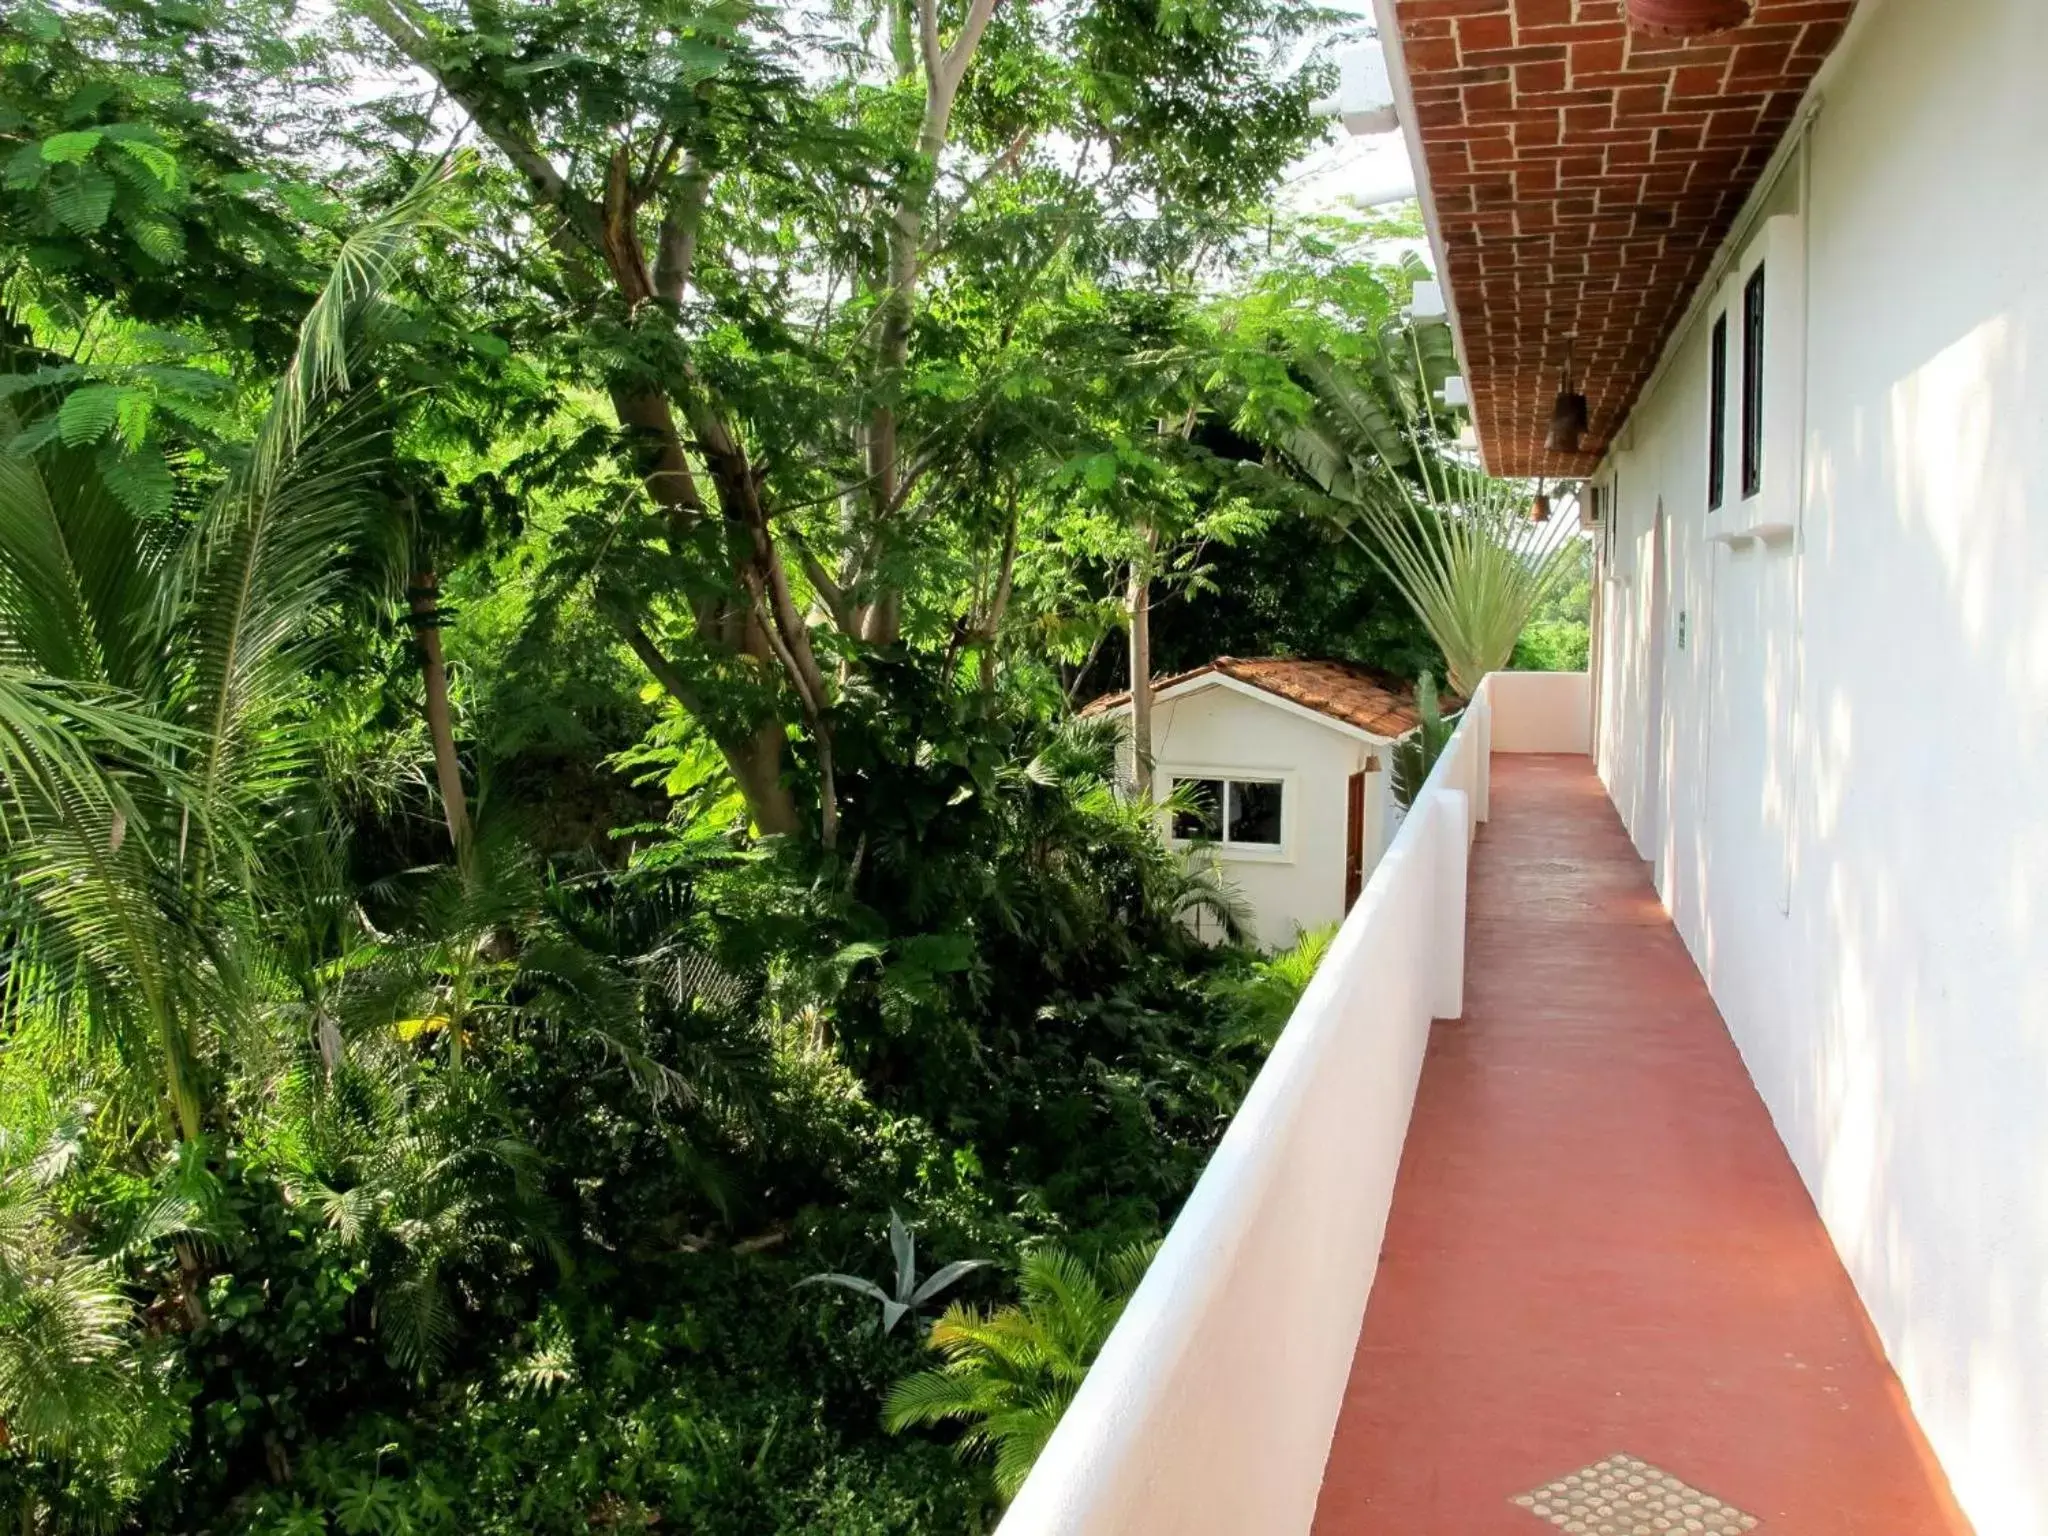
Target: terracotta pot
column 1686, row 18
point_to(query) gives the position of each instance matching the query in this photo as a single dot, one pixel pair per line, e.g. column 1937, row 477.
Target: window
column 1753, row 384
column 1238, row 813
column 1717, row 417
column 1254, row 814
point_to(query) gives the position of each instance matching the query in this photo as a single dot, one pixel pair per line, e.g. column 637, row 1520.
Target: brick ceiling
column 1583, row 176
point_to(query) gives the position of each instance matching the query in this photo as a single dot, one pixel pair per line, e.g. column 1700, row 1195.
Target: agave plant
column 909, row 1294
column 1010, row 1374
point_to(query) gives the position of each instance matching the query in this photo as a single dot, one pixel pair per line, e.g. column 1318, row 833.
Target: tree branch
column 992, row 622
column 944, row 70
column 681, row 217
column 549, row 185
column 829, row 591
column 928, row 40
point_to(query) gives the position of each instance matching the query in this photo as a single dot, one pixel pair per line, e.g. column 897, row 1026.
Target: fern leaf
column 81, row 197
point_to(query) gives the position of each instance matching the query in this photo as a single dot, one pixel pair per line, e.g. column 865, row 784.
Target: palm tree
column 1457, row 543
column 1010, row 1374
column 77, row 1383
column 1466, row 554
column 150, row 685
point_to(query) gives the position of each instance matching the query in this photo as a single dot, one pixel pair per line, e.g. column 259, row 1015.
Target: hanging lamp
column 1569, row 416
column 1686, row 18
column 1539, row 509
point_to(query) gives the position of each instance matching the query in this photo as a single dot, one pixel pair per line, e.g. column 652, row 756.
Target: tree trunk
column 903, row 236
column 755, row 758
column 999, row 604
column 609, row 228
column 426, row 626
column 1140, row 600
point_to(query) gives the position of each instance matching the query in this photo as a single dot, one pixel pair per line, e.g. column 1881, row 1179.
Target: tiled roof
column 1355, row 695
column 1583, row 175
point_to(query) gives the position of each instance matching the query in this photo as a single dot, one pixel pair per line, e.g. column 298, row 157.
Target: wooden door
column 1354, row 839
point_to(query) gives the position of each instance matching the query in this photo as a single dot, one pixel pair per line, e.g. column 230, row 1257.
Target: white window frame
column 1770, row 513
column 1250, row 853
column 1721, row 317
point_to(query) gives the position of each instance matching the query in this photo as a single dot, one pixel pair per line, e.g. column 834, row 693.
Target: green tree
column 128, row 905
column 812, row 304
column 1344, row 396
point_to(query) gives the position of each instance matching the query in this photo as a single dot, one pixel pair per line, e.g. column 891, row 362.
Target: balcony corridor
column 1606, row 1303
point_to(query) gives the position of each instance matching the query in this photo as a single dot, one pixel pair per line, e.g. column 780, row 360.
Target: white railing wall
column 1210, row 1410
column 1542, row 712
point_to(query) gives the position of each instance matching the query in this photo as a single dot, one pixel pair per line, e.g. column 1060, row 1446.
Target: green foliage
column 1009, row 1374
column 204, row 642
column 77, row 1383
column 1343, row 399
column 1264, row 997
column 1416, row 753
column 123, row 177
column 780, row 447
column 1559, row 636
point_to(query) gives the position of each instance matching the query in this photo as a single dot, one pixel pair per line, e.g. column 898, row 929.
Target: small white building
column 1292, row 763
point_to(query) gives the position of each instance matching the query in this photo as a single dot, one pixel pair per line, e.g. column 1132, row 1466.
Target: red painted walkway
column 1599, row 1248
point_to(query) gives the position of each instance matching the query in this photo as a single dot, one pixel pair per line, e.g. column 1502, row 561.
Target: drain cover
column 1622, row 1496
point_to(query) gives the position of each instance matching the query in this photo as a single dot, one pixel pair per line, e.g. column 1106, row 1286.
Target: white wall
column 1842, row 775
column 1219, row 731
column 1543, row 712
column 1211, row 1407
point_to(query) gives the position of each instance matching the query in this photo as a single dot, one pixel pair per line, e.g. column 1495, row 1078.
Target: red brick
column 1593, row 58
column 1577, row 32
column 1429, row 10
column 1639, row 100
column 1696, row 82
column 1730, row 125
column 1427, row 55
column 1626, row 158
column 1761, row 61
column 1818, row 40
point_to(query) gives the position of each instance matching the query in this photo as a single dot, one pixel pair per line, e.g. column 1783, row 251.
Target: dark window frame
column 1753, row 295
column 1226, row 811
column 1717, row 415
column 1206, row 824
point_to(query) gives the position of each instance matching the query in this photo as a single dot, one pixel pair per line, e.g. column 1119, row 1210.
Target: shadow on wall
column 1926, row 1125
column 1863, row 873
